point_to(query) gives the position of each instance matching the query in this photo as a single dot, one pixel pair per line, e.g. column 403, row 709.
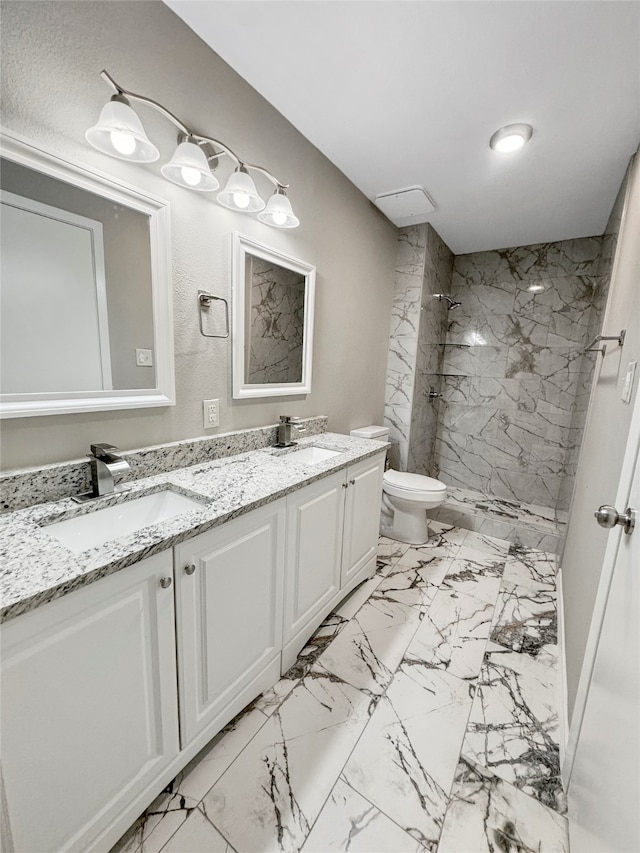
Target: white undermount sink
column 313, row 455
column 111, row 522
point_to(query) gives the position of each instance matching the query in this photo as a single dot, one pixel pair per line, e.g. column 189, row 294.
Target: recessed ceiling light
column 511, row 137
column 537, row 287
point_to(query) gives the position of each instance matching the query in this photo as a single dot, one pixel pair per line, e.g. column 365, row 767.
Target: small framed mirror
column 85, row 302
column 273, row 296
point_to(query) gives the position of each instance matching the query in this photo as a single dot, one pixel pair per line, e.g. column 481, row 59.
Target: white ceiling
column 400, row 93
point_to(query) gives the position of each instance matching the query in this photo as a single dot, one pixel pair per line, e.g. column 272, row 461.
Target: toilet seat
column 403, row 484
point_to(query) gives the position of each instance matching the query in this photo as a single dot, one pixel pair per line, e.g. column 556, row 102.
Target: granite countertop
column 35, row 568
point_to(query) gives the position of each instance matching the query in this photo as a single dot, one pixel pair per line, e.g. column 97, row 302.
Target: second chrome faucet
column 287, row 423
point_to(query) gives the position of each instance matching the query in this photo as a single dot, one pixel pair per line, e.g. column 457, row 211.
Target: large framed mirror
column 273, row 296
column 85, row 295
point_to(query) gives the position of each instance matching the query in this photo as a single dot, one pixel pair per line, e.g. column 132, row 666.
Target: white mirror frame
column 243, row 246
column 20, row 150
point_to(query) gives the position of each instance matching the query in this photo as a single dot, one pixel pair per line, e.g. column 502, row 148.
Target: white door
column 603, row 754
column 229, row 617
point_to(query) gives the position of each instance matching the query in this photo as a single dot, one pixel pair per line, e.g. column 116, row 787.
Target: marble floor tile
column 389, row 550
column 430, row 567
column 326, row 632
column 513, row 726
column 348, row 608
column 487, row 815
column 453, row 635
column 350, row 822
column 477, row 577
column 271, row 795
column 405, row 761
column 525, row 619
column 491, row 545
column 368, row 650
column 197, row 835
column 531, row 568
column 203, row 772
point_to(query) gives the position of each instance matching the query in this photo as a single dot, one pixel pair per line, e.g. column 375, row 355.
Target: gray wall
column 52, row 54
column 509, row 389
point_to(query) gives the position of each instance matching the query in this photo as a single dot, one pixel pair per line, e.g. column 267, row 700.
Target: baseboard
column 562, row 695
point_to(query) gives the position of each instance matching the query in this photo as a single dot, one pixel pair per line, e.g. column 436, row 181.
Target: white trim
column 19, row 149
column 243, row 246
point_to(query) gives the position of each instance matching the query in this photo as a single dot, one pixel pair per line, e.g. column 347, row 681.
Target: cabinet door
column 362, row 517
column 229, row 617
column 314, row 542
column 89, row 706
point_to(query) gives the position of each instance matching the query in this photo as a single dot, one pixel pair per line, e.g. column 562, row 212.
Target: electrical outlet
column 211, row 410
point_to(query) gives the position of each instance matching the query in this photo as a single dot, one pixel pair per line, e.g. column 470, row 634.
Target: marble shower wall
column 438, row 268
column 512, row 368
column 276, row 323
column 423, row 266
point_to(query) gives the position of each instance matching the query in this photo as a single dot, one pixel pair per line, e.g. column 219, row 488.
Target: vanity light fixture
column 189, row 168
column 119, row 133
column 278, row 211
column 511, row 138
column 240, row 193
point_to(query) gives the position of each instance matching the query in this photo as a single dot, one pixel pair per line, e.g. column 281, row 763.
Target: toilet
column 405, row 498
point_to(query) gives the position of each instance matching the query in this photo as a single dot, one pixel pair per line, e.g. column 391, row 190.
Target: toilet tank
column 379, row 432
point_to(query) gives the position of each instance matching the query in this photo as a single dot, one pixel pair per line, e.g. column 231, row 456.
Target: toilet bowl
column 405, row 498
column 405, row 501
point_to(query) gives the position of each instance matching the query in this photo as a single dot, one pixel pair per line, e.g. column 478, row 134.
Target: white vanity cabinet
column 229, row 618
column 332, row 535
column 89, row 714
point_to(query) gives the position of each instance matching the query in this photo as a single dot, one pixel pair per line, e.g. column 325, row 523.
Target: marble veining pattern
column 393, row 750
column 226, row 488
column 506, row 425
column 418, row 324
column 276, row 323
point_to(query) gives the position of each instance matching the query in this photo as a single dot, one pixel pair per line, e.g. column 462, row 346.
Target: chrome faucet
column 106, row 468
column 287, row 423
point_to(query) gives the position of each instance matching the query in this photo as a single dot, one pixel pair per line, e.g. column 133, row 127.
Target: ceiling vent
column 408, row 206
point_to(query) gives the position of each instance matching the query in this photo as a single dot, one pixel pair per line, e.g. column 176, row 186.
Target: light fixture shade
column 240, row 193
column 189, row 168
column 511, row 138
column 120, row 134
column 278, row 212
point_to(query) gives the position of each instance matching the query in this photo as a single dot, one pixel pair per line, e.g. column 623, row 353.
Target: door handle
column 608, row 516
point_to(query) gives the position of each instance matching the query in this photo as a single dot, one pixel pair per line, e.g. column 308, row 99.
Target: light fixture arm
column 108, row 79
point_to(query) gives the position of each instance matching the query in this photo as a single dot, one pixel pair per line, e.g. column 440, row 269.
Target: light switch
column 627, row 382
column 144, row 358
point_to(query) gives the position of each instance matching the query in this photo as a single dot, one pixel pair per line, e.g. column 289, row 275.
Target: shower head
column 451, row 302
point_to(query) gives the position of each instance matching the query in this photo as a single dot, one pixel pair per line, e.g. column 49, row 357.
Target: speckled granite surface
column 35, row 568
column 27, row 486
